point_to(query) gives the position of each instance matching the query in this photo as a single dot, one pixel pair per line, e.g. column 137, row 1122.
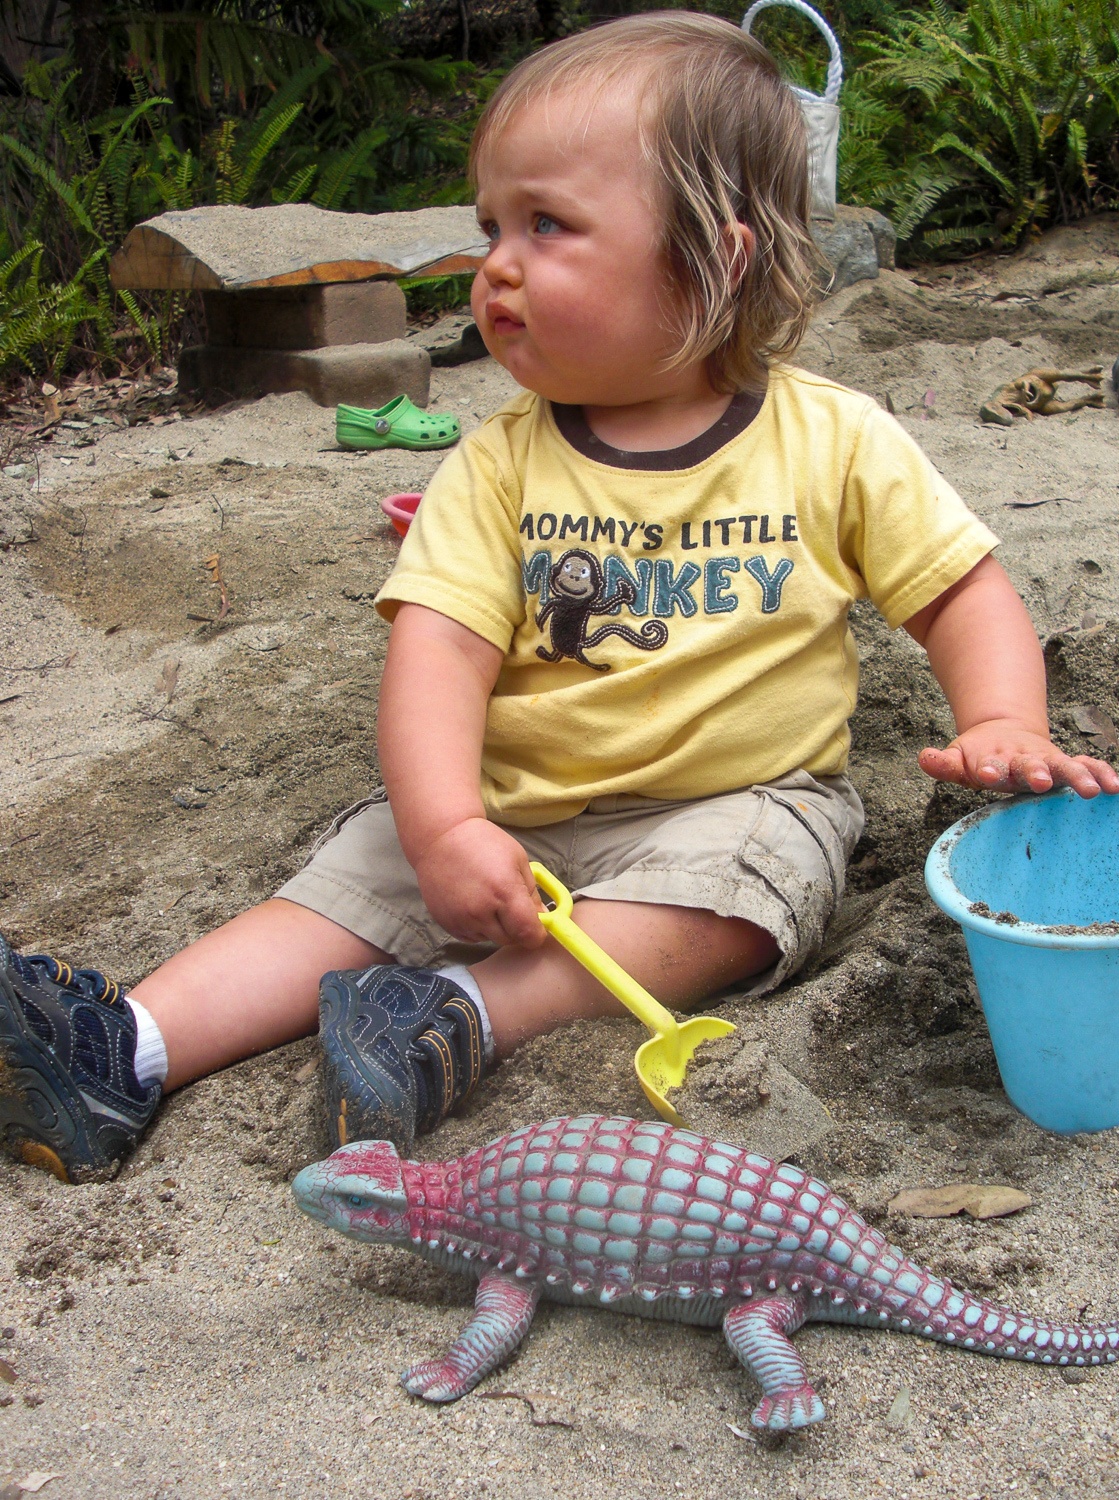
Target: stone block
column 855, row 244
column 358, row 374
column 306, row 317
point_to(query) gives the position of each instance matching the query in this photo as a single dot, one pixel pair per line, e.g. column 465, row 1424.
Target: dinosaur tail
column 918, row 1302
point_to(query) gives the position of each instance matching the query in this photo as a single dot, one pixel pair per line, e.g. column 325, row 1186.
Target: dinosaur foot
column 436, row 1380
column 798, row 1407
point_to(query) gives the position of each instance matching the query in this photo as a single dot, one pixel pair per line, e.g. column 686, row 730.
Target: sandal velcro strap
column 398, row 424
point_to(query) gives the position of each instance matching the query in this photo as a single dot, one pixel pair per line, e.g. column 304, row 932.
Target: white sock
column 459, row 974
column 150, row 1062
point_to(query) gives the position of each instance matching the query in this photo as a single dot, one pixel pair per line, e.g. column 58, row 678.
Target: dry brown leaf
column 32, row 1483
column 981, row 1202
column 7, row 1374
column 169, row 678
column 212, row 564
column 1095, row 726
column 900, row 1411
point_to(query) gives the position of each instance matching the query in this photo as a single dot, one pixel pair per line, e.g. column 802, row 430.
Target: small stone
column 157, row 494
column 17, row 471
column 188, row 797
column 269, row 640
column 1075, row 1374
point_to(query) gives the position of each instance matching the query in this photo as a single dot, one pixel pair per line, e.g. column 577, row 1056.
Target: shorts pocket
column 804, row 820
column 796, row 852
column 375, row 798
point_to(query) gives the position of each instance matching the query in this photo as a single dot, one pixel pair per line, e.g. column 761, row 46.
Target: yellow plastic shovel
column 662, row 1061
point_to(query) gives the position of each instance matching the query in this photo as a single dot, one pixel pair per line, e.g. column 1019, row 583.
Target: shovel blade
column 662, row 1062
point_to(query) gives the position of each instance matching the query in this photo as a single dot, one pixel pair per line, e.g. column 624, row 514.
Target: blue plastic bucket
column 1034, row 882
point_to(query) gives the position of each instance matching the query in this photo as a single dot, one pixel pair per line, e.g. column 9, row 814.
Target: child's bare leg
column 248, row 986
column 680, row 954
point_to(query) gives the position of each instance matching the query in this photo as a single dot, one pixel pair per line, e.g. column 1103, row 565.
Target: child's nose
column 501, row 266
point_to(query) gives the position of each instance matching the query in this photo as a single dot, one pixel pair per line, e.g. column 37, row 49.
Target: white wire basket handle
column 835, row 60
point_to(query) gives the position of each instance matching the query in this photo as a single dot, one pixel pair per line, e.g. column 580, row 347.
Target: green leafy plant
column 37, row 319
column 980, row 123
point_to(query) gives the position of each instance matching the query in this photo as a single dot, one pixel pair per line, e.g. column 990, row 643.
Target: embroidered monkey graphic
column 576, row 594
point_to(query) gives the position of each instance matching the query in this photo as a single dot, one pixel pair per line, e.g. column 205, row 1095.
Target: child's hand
column 1002, row 755
column 476, row 882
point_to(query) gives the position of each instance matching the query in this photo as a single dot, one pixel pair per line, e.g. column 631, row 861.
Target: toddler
column 619, row 639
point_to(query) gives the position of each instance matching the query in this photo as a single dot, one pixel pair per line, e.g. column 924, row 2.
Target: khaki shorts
column 774, row 854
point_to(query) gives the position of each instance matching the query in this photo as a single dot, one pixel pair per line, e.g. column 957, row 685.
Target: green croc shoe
column 397, row 425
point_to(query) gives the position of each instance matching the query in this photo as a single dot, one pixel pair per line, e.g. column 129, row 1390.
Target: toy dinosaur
column 658, row 1221
column 1035, row 394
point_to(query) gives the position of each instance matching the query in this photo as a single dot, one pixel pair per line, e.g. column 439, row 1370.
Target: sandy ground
column 183, row 1330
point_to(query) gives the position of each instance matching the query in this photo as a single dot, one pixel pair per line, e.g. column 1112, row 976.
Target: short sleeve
column 461, row 555
column 903, row 529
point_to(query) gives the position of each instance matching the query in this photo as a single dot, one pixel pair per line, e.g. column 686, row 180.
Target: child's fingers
column 944, row 765
column 1085, row 775
column 519, row 917
column 1025, row 772
column 1106, row 776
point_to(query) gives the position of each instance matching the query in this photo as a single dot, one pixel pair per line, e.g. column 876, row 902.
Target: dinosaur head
column 359, row 1191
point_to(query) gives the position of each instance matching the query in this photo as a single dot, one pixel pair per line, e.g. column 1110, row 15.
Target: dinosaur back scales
column 660, row 1222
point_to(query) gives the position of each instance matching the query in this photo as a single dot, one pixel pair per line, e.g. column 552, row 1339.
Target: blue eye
column 490, row 231
column 544, row 225
column 357, row 1200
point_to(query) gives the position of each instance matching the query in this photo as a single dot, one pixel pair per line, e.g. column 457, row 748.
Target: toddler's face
column 573, row 297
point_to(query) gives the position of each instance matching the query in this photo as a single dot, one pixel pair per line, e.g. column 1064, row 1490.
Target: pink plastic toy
column 400, row 509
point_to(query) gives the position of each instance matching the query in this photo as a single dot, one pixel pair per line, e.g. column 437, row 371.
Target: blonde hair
column 725, row 138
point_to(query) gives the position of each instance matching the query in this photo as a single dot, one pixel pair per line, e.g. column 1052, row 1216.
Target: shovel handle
column 608, row 973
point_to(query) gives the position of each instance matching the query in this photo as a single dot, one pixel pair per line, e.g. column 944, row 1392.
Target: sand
column 183, row 1330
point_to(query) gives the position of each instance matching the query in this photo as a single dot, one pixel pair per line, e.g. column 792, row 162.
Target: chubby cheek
column 478, row 296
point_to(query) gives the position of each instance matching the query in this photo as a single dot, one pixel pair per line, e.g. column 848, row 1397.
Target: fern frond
column 339, row 174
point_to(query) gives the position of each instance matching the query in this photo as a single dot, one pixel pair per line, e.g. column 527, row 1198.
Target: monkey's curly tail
column 651, row 637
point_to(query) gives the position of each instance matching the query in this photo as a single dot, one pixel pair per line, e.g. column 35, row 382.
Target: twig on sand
column 165, row 716
column 530, row 1402
column 56, row 664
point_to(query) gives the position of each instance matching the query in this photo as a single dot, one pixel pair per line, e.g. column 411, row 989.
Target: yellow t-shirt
column 682, row 632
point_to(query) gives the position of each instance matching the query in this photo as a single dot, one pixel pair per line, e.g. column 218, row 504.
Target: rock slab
column 228, row 248
column 358, row 374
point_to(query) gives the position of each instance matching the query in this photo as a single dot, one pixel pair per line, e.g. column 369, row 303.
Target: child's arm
column 982, row 647
column 474, row 878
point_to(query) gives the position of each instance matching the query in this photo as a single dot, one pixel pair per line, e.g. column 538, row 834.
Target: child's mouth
column 503, row 324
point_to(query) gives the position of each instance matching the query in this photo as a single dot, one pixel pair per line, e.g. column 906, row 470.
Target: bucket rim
column 951, row 900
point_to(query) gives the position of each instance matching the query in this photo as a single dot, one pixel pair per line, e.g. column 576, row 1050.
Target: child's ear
column 740, row 242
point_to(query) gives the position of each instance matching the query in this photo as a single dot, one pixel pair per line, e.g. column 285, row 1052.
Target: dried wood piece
column 1034, row 394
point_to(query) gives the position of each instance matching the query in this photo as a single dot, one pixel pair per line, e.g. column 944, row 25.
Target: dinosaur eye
column 357, row 1200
